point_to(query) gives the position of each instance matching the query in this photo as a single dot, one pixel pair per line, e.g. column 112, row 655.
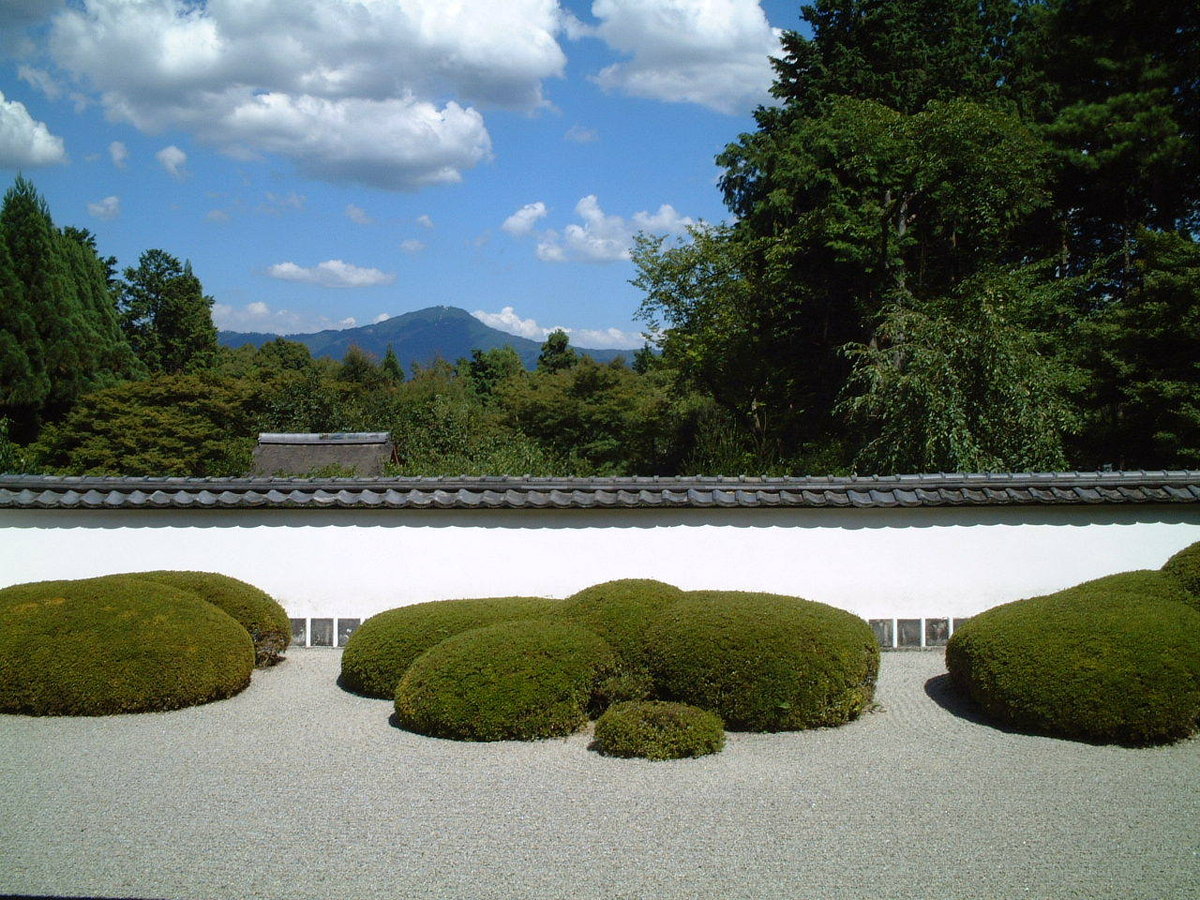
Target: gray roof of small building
column 524, row 492
column 354, row 453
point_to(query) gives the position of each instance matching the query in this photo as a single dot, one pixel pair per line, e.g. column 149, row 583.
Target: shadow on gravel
column 940, row 689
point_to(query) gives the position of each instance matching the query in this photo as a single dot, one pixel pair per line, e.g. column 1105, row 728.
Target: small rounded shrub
column 1184, row 567
column 383, row 647
column 656, row 729
column 101, row 646
column 265, row 620
column 1090, row 663
column 519, row 680
column 764, row 662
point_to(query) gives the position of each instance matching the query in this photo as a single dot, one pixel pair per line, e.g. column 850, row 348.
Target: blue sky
column 324, row 163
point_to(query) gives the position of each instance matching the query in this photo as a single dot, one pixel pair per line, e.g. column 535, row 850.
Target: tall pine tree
column 166, row 316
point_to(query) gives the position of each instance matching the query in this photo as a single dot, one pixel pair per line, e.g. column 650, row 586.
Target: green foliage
column 763, row 662
column 1089, row 663
column 557, row 353
column 199, row 425
column 385, row 645
column 944, row 390
column 620, row 612
column 166, row 315
column 1184, row 568
column 521, row 680
column 657, row 730
column 110, row 645
column 263, row 618
column 58, row 334
column 12, row 457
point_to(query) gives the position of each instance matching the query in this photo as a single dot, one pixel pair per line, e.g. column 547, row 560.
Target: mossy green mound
column 383, row 647
column 1089, row 663
column 110, row 645
column 520, row 680
column 764, row 662
column 620, row 612
column 656, row 729
column 255, row 610
column 1184, row 567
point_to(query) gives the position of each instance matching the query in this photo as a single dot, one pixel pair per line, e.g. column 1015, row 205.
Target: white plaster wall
column 877, row 563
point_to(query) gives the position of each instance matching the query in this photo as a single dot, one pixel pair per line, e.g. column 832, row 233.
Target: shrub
column 620, row 612
column 383, row 647
column 1184, row 567
column 655, row 729
column 764, row 662
column 1090, row 663
column 115, row 645
column 265, row 620
column 518, row 680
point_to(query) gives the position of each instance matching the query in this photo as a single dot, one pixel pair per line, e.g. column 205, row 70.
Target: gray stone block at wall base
column 299, row 633
column 320, row 632
column 883, row 632
column 345, row 628
column 908, row 632
column 937, row 632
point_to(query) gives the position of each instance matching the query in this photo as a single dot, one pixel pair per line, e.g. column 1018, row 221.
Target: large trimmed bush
column 764, row 662
column 519, row 680
column 620, row 612
column 656, row 729
column 1184, row 567
column 1096, row 662
column 265, row 620
column 383, row 647
column 115, row 645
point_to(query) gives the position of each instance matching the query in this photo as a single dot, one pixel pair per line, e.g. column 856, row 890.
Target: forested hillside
column 963, row 238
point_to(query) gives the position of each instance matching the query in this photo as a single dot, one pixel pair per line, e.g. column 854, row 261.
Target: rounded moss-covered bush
column 1184, row 567
column 255, row 610
column 520, row 680
column 110, row 645
column 764, row 662
column 1088, row 663
column 656, row 729
column 383, row 647
column 620, row 611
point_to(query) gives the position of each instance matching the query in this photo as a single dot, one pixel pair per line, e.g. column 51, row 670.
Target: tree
column 488, row 368
column 390, row 367
column 166, row 316
column 57, row 329
column 557, row 353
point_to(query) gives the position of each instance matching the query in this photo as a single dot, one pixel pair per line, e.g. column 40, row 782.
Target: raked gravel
column 296, row 789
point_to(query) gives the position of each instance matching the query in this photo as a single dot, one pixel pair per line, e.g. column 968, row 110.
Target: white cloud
column 412, row 246
column 332, row 273
column 712, row 52
column 217, row 215
column 577, row 134
column 524, row 219
column 358, row 215
column 119, row 154
column 508, row 321
column 604, row 238
column 173, row 160
column 25, row 142
column 260, row 317
column 378, row 93
column 42, row 80
column 276, row 204
column 108, row 208
column 382, row 317
column 425, row 221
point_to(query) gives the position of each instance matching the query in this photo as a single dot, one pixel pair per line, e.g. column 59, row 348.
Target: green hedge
column 1184, row 567
column 265, row 620
column 656, row 729
column 1097, row 662
column 115, row 645
column 519, row 680
column 763, row 662
column 383, row 647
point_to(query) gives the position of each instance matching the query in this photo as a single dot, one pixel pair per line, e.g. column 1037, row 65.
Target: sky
column 330, row 163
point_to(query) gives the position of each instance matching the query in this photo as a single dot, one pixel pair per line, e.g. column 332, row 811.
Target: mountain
column 417, row 337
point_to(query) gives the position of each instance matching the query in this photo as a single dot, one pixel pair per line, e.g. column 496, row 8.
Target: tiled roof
column 511, row 492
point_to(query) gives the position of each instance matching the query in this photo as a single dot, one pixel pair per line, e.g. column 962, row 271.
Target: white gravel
column 296, row 789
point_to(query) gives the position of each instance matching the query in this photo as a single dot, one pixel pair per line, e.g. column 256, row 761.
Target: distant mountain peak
column 420, row 336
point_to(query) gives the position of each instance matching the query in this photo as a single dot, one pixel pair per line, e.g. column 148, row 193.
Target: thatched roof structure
column 361, row 454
